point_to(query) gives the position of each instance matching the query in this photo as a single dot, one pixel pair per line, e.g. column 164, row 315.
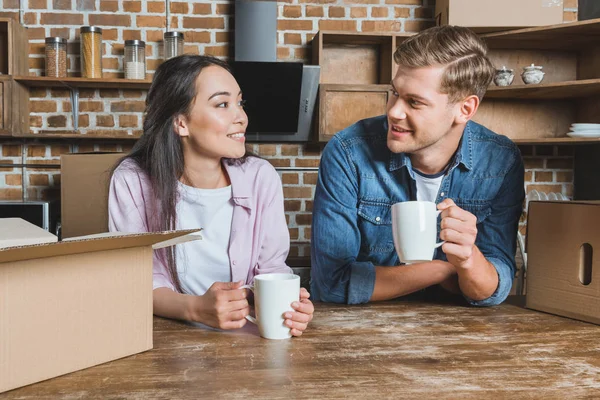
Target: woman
column 190, row 170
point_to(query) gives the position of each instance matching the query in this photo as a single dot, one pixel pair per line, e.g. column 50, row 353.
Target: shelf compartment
column 570, row 36
column 72, row 82
column 14, row 43
column 342, row 105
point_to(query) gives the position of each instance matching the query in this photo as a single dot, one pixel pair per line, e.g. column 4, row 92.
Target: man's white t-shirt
column 428, row 185
column 200, row 263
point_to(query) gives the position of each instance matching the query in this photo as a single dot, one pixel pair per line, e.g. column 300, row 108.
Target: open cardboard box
column 69, row 305
column 494, row 15
column 563, row 259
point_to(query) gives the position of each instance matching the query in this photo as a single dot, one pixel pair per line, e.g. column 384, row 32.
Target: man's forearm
column 392, row 282
column 477, row 278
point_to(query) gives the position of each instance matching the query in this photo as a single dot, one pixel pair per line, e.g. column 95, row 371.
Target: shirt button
column 378, row 219
column 234, row 262
column 442, row 194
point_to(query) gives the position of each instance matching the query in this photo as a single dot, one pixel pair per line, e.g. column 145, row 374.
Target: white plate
column 586, row 135
column 595, row 126
column 578, row 129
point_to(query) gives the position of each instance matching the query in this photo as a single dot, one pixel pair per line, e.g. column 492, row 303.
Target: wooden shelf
column 559, row 140
column 570, row 36
column 101, row 83
column 76, row 135
column 546, row 91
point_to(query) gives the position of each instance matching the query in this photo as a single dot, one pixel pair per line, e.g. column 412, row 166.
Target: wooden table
column 405, row 349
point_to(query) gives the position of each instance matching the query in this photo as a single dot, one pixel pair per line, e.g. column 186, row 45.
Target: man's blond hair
column 468, row 69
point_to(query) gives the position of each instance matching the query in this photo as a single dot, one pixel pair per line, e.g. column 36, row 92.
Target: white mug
column 273, row 297
column 414, row 227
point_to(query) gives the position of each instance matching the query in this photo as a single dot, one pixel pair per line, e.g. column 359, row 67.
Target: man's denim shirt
column 360, row 179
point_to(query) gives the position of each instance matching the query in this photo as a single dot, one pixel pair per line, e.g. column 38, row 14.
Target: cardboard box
column 18, row 232
column 563, row 259
column 70, row 305
column 494, row 15
column 84, row 192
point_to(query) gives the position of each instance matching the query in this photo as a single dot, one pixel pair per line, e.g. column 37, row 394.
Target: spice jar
column 56, row 57
column 173, row 44
column 91, row 51
column 135, row 59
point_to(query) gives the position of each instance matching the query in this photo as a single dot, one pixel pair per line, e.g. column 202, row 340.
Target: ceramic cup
column 414, row 227
column 273, row 296
column 532, row 74
column 504, row 76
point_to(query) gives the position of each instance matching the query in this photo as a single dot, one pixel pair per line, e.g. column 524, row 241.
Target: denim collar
column 463, row 156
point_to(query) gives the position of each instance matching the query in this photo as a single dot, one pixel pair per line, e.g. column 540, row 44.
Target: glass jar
column 56, row 57
column 173, row 44
column 91, row 51
column 135, row 59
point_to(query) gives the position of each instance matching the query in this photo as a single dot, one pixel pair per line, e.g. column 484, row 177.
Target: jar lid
column 55, row 40
column 89, row 29
column 504, row 69
column 139, row 43
column 173, row 34
column 532, row 67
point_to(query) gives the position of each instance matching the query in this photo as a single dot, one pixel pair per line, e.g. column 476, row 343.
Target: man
column 426, row 148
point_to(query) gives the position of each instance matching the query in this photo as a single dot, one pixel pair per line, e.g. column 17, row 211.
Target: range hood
column 281, row 96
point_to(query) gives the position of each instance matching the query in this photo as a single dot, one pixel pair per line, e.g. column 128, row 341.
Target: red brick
column 197, row 37
column 337, row 12
column 223, row 37
column 217, row 51
column 127, row 106
column 278, row 162
column 57, row 121
column 559, row 163
column 11, row 194
column 224, row 9
column 58, row 149
column 381, row 26
column 310, row 178
column 132, row 6
column 45, row 106
column 265, row 150
column 543, row 176
column 156, row 7
column 361, row 1
column 401, row 12
column 294, row 25
column 566, row 3
column 30, row 18
column 289, row 149
column 179, row 8
column 203, row 23
column 569, row 16
column 84, row 120
column 290, row 179
column 308, row 205
column 85, row 5
column 11, row 4
column 36, row 121
column 106, row 5
column 202, row 9
column 132, row 94
column 293, row 233
column 128, row 121
column 61, row 32
column 132, row 35
column 62, row 19
column 283, row 53
column 303, row 219
column 174, row 23
column 11, row 150
column 307, row 162
column 331, row 25
column 36, row 33
column 37, row 4
column 91, row 106
column 105, row 121
column 111, row 20
column 358, row 12
column 314, row 11
column 61, row 4
column 39, row 180
column 302, row 53
column 36, row 151
column 292, row 11
column 292, row 205
column 154, row 36
column 153, row 22
column 406, row 2
column 379, row 12
column 564, row 176
column 297, row 192
column 13, row 179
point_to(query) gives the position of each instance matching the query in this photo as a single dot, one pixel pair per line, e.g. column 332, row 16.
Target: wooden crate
column 14, row 107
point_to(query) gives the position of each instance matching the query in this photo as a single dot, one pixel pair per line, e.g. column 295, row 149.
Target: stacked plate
column 585, row 131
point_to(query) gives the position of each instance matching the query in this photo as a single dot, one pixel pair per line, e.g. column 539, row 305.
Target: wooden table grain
column 400, row 349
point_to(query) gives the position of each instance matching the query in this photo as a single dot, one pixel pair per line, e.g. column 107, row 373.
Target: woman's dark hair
column 159, row 151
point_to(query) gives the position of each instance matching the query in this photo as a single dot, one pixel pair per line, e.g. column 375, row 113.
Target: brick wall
column 207, row 26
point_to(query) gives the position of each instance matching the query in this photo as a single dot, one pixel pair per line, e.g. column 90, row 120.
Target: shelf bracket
column 75, row 106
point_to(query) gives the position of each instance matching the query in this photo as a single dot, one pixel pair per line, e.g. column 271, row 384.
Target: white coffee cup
column 414, row 227
column 273, row 297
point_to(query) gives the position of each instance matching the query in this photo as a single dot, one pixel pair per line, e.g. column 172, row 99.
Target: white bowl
column 586, row 126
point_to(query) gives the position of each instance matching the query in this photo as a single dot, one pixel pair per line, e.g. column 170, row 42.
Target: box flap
column 18, row 232
column 84, row 245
